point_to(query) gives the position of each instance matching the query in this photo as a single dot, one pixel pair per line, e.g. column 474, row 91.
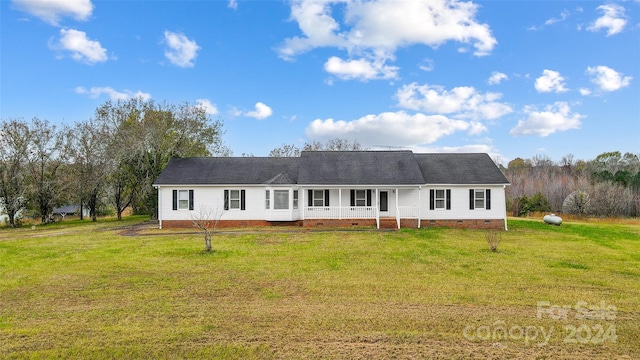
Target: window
column 295, row 199
column 234, row 200
column 361, row 197
column 440, row 199
column 317, row 198
column 182, row 199
column 281, row 199
column 267, row 201
column 480, row 199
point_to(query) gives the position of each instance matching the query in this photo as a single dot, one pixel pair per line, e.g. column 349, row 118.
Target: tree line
column 608, row 185
column 111, row 159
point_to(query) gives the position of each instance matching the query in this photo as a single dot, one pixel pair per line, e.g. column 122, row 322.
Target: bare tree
column 337, row 144
column 287, row 150
column 576, row 203
column 46, row 154
column 14, row 144
column 90, row 162
column 206, row 219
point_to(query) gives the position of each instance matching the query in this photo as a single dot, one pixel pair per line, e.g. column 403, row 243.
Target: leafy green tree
column 144, row 136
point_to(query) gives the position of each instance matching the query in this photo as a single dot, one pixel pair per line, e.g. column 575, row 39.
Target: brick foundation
column 496, row 224
column 387, row 223
column 339, row 223
column 222, row 224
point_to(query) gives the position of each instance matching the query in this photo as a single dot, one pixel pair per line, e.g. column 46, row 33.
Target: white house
column 334, row 188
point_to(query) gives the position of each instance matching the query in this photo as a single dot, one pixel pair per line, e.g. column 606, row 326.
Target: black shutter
column 242, row 203
column 226, row 199
column 326, row 198
column 175, row 199
column 448, row 199
column 369, row 197
column 353, row 198
column 471, row 199
column 190, row 199
column 488, row 200
column 432, row 199
column 310, row 200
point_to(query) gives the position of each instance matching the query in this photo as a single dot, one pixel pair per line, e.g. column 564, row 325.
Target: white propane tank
column 552, row 219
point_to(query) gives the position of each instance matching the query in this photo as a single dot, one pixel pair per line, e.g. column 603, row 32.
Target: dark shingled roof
column 459, row 169
column 335, row 168
column 230, row 170
column 359, row 168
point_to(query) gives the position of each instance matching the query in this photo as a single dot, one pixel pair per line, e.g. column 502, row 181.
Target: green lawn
column 81, row 290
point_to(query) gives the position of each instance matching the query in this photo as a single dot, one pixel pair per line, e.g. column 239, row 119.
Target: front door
column 384, row 201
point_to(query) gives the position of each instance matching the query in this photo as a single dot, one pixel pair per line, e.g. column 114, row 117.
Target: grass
column 81, row 290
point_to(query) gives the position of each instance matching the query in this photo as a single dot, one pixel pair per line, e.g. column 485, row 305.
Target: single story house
column 335, row 188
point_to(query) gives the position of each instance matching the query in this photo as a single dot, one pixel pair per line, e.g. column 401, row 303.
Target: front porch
column 378, row 206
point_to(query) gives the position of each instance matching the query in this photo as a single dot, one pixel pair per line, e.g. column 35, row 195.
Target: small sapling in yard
column 493, row 239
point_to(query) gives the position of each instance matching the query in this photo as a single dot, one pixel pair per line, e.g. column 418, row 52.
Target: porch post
column 303, row 203
column 340, row 204
column 419, row 205
column 159, row 208
column 397, row 208
column 377, row 208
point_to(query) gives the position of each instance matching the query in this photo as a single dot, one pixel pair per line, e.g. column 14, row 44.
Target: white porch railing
column 337, row 212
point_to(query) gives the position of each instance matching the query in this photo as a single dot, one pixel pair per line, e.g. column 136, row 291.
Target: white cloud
column 81, row 48
column 181, row 51
column 607, row 78
column 366, row 34
column 426, row 65
column 585, row 92
column 462, row 102
column 550, row 81
column 556, row 117
column 233, row 4
column 497, row 77
column 208, row 107
column 261, row 111
column 361, row 69
column 563, row 16
column 52, row 11
column 95, row 92
column 388, row 129
column 613, row 19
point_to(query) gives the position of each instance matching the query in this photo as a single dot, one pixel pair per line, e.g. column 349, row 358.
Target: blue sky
column 510, row 78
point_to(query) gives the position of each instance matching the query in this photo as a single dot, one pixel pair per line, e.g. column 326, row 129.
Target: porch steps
column 388, row 223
